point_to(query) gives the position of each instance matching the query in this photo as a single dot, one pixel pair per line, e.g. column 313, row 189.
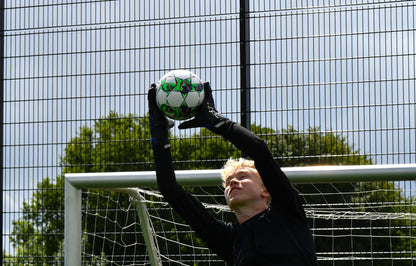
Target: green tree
column 114, row 143
column 121, row 143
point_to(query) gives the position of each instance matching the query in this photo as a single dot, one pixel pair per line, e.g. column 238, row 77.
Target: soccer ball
column 179, row 93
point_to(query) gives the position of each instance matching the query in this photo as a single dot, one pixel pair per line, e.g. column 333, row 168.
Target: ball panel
column 178, row 113
column 185, row 87
column 170, row 79
column 161, row 96
column 192, row 99
column 201, row 96
column 167, row 110
column 175, row 99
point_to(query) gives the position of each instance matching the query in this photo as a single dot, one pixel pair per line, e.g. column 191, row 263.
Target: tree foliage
column 121, row 143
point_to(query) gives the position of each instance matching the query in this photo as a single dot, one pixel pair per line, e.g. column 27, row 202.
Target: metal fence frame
column 251, row 40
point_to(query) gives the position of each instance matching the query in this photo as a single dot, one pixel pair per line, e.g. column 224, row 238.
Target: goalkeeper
column 272, row 228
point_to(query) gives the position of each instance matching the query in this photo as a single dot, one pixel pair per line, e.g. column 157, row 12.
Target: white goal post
column 75, row 182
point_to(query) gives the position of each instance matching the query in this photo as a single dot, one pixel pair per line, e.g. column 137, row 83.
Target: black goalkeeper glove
column 159, row 124
column 207, row 115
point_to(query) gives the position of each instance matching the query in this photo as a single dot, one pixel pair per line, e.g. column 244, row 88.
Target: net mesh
column 354, row 223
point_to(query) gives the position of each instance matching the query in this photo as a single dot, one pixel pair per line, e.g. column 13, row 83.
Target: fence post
column 245, row 64
column 1, row 117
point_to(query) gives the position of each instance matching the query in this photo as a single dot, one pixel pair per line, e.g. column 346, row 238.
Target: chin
column 234, row 202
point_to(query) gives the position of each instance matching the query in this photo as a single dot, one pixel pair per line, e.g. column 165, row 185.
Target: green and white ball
column 179, row 94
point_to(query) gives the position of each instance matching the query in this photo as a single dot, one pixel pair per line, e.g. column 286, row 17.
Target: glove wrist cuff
column 156, row 143
column 217, row 124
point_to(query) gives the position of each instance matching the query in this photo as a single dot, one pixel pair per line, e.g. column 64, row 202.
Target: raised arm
column 283, row 195
column 217, row 234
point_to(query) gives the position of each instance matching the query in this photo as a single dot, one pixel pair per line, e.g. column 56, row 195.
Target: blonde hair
column 233, row 165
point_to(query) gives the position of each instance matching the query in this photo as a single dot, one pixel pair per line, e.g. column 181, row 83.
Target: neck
column 244, row 213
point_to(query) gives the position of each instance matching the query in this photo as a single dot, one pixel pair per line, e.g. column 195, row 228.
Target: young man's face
column 243, row 187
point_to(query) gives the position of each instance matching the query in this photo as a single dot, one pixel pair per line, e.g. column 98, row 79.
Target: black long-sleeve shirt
column 278, row 236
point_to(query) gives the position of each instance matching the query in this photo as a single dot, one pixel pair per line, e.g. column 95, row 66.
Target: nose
column 233, row 181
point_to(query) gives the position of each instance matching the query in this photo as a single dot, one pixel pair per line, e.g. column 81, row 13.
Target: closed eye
column 238, row 177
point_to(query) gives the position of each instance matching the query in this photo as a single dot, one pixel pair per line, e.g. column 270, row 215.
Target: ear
column 265, row 193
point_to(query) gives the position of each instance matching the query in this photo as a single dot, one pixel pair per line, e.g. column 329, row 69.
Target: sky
column 344, row 66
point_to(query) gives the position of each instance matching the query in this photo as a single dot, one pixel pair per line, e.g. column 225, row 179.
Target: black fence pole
column 1, row 118
column 245, row 64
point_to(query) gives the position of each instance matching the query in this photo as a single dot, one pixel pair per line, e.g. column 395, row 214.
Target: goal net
column 359, row 215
